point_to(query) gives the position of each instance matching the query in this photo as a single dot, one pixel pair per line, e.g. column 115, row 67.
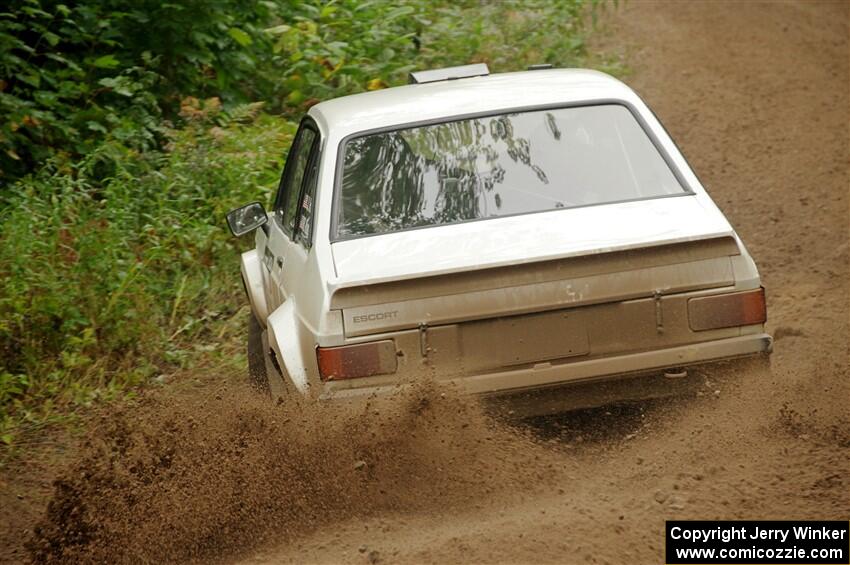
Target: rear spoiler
column 366, row 293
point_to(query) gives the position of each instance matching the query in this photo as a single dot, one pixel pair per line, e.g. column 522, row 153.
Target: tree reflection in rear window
column 497, row 166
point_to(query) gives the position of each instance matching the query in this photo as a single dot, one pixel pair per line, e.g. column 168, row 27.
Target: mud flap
column 252, row 276
column 283, row 335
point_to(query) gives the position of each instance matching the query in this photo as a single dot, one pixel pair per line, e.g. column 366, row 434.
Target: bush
column 73, row 75
column 104, row 282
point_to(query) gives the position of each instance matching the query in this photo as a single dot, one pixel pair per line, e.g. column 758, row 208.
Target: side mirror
column 247, row 218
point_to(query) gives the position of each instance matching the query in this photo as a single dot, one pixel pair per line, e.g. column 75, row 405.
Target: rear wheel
column 257, row 375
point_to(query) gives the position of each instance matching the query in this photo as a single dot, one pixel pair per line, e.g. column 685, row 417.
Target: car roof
column 414, row 103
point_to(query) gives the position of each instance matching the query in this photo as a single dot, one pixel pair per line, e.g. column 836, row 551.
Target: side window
column 286, row 206
column 305, row 219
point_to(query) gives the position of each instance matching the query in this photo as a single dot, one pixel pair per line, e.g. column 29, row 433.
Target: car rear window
column 498, row 165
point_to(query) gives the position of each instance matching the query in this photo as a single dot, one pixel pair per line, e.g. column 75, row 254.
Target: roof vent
column 540, row 67
column 449, row 73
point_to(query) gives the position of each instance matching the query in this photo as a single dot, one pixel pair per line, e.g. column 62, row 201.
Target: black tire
column 257, row 375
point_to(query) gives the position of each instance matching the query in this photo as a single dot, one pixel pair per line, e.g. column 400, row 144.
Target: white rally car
column 517, row 234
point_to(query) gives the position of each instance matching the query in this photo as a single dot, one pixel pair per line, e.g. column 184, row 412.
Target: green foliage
column 107, row 281
column 128, row 129
column 345, row 46
column 508, row 36
column 348, row 46
column 73, row 75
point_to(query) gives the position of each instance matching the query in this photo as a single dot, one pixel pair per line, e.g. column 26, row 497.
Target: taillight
column 354, row 361
column 727, row 310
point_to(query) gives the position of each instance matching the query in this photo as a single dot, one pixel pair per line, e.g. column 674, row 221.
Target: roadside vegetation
column 128, row 129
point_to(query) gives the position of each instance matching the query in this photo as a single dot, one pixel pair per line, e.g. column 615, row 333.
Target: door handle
column 279, row 262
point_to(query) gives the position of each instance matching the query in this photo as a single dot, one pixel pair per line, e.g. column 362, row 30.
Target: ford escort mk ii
column 518, row 234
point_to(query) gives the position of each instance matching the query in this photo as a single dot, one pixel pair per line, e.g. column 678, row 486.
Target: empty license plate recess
column 519, row 340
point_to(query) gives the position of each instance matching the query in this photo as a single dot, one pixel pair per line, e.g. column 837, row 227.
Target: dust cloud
column 195, row 479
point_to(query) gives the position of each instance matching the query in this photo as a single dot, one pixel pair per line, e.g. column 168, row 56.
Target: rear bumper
column 548, row 375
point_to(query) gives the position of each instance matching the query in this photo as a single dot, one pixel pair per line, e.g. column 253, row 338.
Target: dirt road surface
column 758, row 98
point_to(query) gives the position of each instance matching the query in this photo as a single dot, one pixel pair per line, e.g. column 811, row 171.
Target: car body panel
column 560, row 293
column 504, row 343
